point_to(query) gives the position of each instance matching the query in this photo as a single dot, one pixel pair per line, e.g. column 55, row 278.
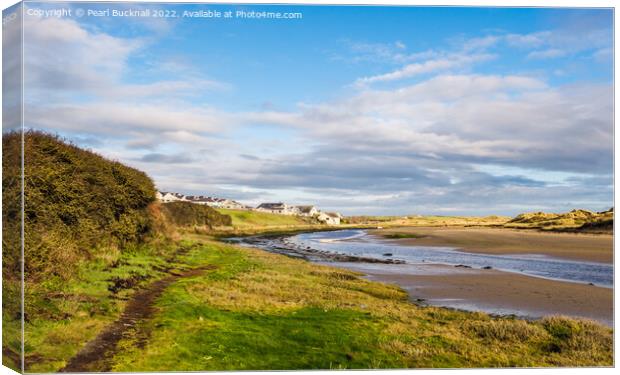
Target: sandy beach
column 494, row 291
column 574, row 246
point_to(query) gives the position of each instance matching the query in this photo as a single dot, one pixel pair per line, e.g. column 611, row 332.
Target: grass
column 429, row 220
column 575, row 220
column 260, row 311
column 64, row 315
column 256, row 311
column 251, row 219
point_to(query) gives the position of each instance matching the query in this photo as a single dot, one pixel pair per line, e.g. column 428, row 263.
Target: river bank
column 529, row 285
column 494, row 292
column 502, row 241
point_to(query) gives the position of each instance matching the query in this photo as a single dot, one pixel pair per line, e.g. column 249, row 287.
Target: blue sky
column 377, row 110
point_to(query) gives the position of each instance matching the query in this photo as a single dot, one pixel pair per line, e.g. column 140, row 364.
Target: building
column 166, row 196
column 329, row 218
column 308, row 211
column 216, row 202
column 278, row 208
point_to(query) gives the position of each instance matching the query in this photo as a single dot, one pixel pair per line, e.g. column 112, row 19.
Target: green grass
column 249, row 219
column 255, row 310
column 307, row 338
column 260, row 311
column 66, row 314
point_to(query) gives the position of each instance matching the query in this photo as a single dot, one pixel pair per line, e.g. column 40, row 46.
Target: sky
column 360, row 110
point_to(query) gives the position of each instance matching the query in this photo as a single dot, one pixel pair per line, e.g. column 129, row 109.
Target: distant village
column 331, row 218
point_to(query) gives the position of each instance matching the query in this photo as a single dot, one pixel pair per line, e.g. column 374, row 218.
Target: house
column 329, row 218
column 308, row 211
column 200, row 199
column 166, row 196
column 278, row 208
column 231, row 205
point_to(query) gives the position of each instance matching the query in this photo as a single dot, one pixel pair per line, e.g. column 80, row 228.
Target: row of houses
column 166, row 196
column 332, row 218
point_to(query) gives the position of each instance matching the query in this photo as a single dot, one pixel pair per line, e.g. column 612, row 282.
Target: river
column 387, row 260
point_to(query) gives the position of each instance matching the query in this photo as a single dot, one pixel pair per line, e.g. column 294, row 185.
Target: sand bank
column 494, row 291
column 585, row 247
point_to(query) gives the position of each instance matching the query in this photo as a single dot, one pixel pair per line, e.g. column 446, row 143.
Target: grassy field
column 257, row 310
column 253, row 219
column 263, row 311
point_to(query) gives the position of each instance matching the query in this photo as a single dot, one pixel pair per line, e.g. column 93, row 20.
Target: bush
column 186, row 214
column 75, row 201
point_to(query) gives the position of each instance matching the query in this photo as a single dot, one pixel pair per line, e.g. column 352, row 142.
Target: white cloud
column 547, row 54
column 429, row 66
column 532, row 40
column 62, row 58
column 414, row 145
column 116, row 119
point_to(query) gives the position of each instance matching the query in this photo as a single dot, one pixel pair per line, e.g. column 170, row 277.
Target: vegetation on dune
column 430, row 220
column 575, row 220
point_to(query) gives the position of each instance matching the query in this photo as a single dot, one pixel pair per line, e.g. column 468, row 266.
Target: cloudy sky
column 361, row 110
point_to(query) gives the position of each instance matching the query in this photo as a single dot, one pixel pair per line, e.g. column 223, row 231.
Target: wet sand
column 493, row 291
column 574, row 246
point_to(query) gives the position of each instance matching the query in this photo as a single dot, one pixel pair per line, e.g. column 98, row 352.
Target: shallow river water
column 388, row 261
column 359, row 243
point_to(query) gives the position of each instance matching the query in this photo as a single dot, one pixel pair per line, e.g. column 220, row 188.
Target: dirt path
column 95, row 356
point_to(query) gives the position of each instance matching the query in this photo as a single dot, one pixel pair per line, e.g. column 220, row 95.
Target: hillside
column 575, row 220
column 251, row 219
column 428, row 220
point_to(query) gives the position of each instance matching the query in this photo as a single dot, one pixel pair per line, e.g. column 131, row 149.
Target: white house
column 166, row 196
column 278, row 208
column 330, row 218
column 215, row 202
column 308, row 211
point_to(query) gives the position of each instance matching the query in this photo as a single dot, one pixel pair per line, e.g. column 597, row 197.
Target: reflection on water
column 358, row 243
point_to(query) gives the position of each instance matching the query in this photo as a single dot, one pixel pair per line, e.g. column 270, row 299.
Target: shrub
column 186, row 214
column 75, row 201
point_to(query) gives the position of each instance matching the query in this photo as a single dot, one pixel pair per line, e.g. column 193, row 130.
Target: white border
column 472, row 3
